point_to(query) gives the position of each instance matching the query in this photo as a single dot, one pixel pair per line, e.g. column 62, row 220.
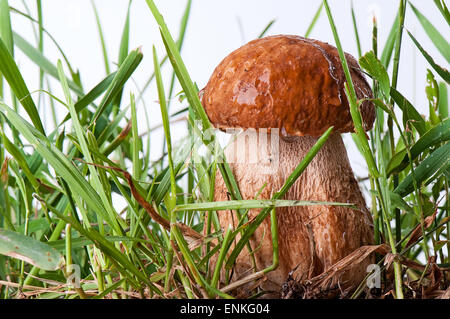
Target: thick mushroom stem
column 310, row 238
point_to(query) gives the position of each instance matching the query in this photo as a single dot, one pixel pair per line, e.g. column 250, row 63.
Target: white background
column 215, row 28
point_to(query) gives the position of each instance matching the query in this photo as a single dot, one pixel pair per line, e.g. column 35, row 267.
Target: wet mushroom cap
column 287, row 82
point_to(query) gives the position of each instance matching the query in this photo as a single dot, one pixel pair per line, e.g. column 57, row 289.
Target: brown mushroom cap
column 287, row 82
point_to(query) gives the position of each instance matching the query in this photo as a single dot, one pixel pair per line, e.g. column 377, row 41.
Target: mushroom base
column 310, row 238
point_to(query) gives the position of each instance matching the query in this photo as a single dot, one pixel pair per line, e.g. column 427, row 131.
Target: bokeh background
column 215, row 28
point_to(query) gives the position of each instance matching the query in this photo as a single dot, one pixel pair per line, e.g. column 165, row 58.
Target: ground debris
column 433, row 281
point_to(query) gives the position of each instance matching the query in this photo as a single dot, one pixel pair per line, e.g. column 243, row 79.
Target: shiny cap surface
column 287, row 82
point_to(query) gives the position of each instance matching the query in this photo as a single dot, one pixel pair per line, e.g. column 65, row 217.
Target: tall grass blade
column 15, row 80
column 436, row 135
column 124, row 41
column 166, row 124
column 5, row 26
column 266, row 29
column 123, row 49
column 435, row 36
column 41, row 41
column 440, row 4
column 191, row 93
column 362, row 139
column 59, row 161
column 443, row 100
column 93, row 94
column 179, row 67
column 123, row 74
column 75, row 75
column 183, row 25
column 119, row 260
column 439, row 159
column 410, row 113
column 42, row 62
column 314, row 20
column 102, row 39
column 20, row 158
column 86, row 153
column 386, row 54
column 440, row 70
column 252, row 204
column 355, row 29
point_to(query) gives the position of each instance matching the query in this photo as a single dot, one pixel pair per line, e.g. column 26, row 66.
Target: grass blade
column 389, row 45
column 361, row 137
column 314, row 20
column 41, row 61
column 443, row 100
column 183, row 24
column 10, row 71
column 252, row 204
column 410, row 114
column 117, row 257
column 59, row 161
column 29, row 250
column 102, row 39
column 375, row 68
column 440, row 70
column 75, row 75
column 41, row 41
column 86, row 153
column 268, row 26
column 20, row 158
column 191, row 93
column 179, row 67
column 123, row 74
column 5, row 26
column 443, row 9
column 435, row 36
column 439, row 159
column 166, row 124
column 355, row 28
column 123, row 49
column 438, row 134
column 90, row 97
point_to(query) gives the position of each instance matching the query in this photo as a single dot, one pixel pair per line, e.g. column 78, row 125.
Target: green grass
column 57, row 184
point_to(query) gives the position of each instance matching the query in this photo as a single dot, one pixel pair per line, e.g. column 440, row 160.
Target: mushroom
column 277, row 95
